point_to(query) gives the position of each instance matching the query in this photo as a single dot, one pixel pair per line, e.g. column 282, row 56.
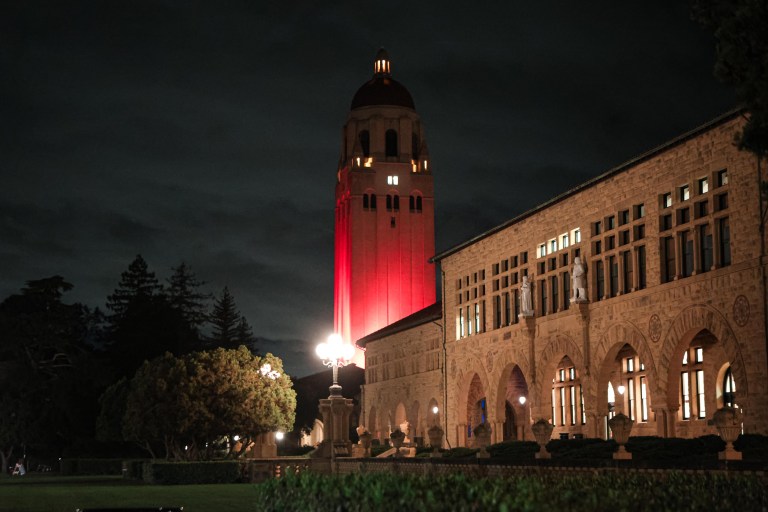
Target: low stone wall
column 348, row 466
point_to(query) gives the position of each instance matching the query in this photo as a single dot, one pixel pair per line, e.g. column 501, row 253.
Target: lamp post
column 335, row 353
column 335, row 409
column 522, row 401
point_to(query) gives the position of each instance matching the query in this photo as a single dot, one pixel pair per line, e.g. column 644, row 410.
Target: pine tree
column 136, row 284
column 184, row 296
column 245, row 335
column 224, row 320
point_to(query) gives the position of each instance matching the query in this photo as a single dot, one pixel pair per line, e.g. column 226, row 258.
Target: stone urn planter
column 482, row 434
column 435, row 434
column 727, row 420
column 397, row 437
column 621, row 427
column 365, row 441
column 542, row 431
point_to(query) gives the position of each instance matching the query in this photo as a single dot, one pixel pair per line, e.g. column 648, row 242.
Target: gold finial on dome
column 381, row 66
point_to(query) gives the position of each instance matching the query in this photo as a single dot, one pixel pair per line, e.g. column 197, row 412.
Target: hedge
column 91, row 466
column 172, row 473
column 614, row 492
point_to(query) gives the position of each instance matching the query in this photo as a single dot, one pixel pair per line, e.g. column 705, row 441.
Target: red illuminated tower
column 385, row 227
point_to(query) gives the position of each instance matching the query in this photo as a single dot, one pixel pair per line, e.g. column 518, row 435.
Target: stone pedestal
column 365, row 441
column 727, row 420
column 397, row 437
column 482, row 435
column 264, row 447
column 542, row 431
column 621, row 427
column 335, row 411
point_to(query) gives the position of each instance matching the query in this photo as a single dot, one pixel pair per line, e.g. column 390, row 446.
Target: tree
column 144, row 323
column 225, row 319
column 184, row 406
column 245, row 335
column 742, row 60
column 137, row 284
column 43, row 356
column 184, row 296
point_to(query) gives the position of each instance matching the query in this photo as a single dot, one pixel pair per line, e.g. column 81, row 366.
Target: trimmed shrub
column 595, row 492
column 753, row 446
column 91, row 466
column 518, row 452
column 173, row 473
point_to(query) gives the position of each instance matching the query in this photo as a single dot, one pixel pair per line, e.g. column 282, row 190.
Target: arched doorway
column 477, row 407
column 625, row 385
column 568, row 414
column 513, row 405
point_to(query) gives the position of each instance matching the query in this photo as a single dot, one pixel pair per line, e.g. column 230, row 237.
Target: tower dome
column 382, row 89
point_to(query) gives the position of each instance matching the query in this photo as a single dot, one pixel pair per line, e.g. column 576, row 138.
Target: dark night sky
column 210, row 132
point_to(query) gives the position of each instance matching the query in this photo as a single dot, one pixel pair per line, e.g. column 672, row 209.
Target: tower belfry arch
column 384, row 217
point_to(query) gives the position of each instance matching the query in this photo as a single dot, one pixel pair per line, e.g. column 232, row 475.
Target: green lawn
column 37, row 493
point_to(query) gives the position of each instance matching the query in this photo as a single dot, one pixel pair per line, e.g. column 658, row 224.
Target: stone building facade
column 670, row 327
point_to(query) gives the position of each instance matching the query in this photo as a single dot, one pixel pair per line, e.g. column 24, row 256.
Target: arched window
column 373, row 201
column 415, row 203
column 365, row 143
column 397, row 203
column 692, row 397
column 391, row 143
column 365, row 201
column 729, row 389
column 389, row 203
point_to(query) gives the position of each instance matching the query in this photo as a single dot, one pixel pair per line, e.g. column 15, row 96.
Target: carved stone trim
column 741, row 310
column 654, row 328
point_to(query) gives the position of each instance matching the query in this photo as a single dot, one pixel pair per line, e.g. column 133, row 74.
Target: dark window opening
column 397, row 203
column 725, row 242
column 390, row 143
column 365, row 143
column 668, row 259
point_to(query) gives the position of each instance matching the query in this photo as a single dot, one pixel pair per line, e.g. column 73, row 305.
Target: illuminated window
column 685, row 193
column 576, row 236
column 703, row 186
column 666, row 200
column 729, row 389
column 722, row 178
column 392, row 180
column 643, row 400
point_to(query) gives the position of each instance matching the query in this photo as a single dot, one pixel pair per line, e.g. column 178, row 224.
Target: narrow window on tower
column 365, row 143
column 599, row 280
column 411, row 203
column 397, row 203
column 365, row 202
column 724, row 231
column 390, row 140
column 389, row 203
column 419, row 204
column 373, row 201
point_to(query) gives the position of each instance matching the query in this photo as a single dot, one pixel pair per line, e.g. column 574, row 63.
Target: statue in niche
column 579, row 281
column 525, row 297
